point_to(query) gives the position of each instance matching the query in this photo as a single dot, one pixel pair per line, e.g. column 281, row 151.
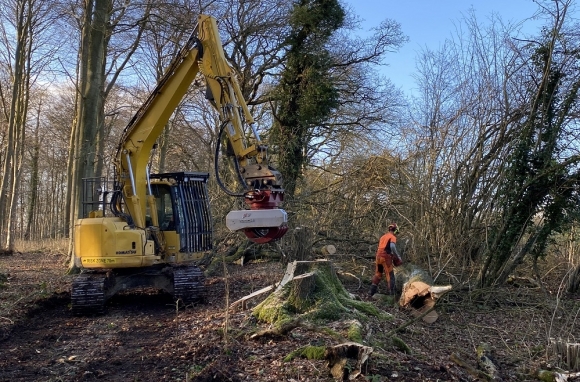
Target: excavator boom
column 263, row 192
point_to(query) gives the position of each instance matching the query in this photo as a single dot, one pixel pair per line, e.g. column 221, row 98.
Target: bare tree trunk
column 88, row 131
column 16, row 123
column 90, row 86
column 31, row 208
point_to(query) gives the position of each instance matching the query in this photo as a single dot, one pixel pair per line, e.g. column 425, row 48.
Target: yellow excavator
column 150, row 230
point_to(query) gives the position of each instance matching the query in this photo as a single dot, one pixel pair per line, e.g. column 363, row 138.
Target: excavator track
column 88, row 294
column 188, row 284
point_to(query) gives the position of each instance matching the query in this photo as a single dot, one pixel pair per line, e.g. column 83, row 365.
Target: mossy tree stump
column 310, row 291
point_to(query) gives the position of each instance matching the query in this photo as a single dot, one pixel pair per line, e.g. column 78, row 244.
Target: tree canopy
column 479, row 167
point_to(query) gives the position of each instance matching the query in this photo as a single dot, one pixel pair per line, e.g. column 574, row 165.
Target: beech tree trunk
column 26, row 25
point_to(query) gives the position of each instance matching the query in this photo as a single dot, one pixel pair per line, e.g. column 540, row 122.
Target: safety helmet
column 394, row 228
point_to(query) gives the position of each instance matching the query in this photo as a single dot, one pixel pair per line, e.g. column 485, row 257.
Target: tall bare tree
column 23, row 59
column 95, row 80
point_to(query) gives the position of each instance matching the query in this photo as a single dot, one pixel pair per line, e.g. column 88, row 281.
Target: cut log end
column 328, row 249
column 420, row 297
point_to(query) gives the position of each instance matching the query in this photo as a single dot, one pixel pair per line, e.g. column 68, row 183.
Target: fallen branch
column 455, row 358
column 280, row 331
column 242, row 301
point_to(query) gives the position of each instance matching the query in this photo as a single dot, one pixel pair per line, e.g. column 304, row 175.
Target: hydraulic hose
column 236, row 165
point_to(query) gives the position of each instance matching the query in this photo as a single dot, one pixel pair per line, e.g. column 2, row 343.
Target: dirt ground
column 145, row 337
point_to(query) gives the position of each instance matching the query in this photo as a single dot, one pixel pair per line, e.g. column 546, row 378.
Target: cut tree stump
column 566, row 353
column 328, row 250
column 311, row 291
column 346, row 360
column 418, row 292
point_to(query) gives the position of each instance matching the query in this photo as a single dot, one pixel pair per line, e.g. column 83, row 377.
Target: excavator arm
column 203, row 53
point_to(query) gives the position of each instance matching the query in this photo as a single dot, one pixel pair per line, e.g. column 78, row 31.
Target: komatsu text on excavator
column 151, row 228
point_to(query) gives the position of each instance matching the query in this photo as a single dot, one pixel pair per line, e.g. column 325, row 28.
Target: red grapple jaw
column 264, row 200
column 263, row 236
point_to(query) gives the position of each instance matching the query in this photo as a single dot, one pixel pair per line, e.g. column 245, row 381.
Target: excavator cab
column 183, row 207
column 165, row 210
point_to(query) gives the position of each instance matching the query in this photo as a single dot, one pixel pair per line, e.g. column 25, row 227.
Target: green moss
column 273, row 310
column 330, row 332
column 327, row 300
column 546, row 376
column 364, row 307
column 308, row 352
column 314, row 352
column 355, row 332
column 327, row 310
column 401, row 345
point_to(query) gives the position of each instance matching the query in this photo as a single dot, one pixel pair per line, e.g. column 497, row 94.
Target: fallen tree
column 418, row 292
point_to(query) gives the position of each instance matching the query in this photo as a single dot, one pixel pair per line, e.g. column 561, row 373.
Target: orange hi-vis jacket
column 383, row 242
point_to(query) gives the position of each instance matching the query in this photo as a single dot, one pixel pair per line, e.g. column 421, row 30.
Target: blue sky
column 428, row 23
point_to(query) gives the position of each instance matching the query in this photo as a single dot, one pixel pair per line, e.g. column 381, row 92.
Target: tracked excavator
column 151, row 229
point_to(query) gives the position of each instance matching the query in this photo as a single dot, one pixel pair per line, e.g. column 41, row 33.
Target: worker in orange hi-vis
column 387, row 258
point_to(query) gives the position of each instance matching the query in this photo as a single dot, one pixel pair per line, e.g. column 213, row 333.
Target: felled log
column 328, row 250
column 346, row 360
column 418, row 292
column 522, row 282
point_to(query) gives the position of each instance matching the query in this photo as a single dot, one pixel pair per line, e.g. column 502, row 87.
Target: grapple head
column 264, row 222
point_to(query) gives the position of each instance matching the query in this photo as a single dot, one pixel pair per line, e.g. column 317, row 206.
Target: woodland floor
column 144, row 337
